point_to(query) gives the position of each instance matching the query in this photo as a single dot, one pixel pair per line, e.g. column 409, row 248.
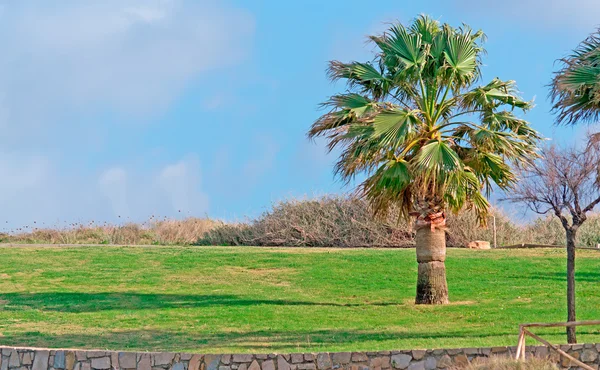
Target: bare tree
column 563, row 182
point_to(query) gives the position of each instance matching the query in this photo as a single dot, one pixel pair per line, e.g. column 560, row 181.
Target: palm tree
column 428, row 141
column 575, row 89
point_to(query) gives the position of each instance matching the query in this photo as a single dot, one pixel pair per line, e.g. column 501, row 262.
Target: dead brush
column 327, row 221
column 506, row 363
column 184, row 232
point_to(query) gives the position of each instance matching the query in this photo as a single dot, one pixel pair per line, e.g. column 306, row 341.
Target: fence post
column 521, row 344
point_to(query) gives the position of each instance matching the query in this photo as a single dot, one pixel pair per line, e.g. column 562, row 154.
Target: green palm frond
column 461, row 57
column 393, row 127
column 575, row 88
column 413, row 122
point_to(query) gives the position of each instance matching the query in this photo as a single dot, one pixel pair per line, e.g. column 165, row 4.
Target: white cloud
column 113, row 185
column 180, row 182
column 67, row 65
column 173, row 190
column 129, row 56
column 38, row 191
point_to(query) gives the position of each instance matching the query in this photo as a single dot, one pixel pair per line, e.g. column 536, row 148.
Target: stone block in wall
column 401, row 361
column 541, row 352
column 185, row 356
column 297, row 358
column 243, row 358
column 40, row 360
column 14, row 360
column 306, row 366
column 180, row 366
column 95, row 354
column 461, row 360
column 496, row 350
column 27, row 358
column 268, row 365
column 471, row 351
column 417, row 365
column 101, row 363
column 144, row 362
column 163, row 359
column 566, row 362
column 418, row 354
column 359, row 357
column 127, row 360
column 282, row 363
column 444, row 362
column 226, row 359
column 341, row 358
column 589, row 355
column 381, row 362
column 59, row 360
column 69, row 360
column 323, row 361
column 80, row 355
column 254, row 366
column 430, row 363
column 194, row 363
column 212, row 361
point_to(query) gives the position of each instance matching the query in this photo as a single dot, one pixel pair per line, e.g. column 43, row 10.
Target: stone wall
column 43, row 359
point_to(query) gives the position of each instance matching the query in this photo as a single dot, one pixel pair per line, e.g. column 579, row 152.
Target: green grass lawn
column 273, row 300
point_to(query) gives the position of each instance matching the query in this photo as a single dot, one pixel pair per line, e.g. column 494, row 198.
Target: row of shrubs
column 348, row 222
column 330, row 221
column 165, row 232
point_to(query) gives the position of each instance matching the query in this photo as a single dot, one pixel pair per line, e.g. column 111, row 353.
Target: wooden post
column 495, row 243
column 523, row 332
column 563, row 353
column 520, row 344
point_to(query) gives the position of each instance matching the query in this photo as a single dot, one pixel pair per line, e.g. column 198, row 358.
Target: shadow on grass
column 270, row 340
column 95, row 302
column 580, row 276
column 252, row 341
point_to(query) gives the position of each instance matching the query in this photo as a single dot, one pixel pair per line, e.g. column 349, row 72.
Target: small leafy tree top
column 575, row 89
column 412, row 120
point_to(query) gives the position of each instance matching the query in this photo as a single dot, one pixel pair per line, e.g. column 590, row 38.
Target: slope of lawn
column 221, row 299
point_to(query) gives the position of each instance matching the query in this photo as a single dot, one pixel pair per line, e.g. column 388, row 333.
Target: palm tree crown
column 575, row 89
column 411, row 120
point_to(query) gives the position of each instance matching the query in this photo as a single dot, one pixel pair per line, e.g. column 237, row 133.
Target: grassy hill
column 225, row 299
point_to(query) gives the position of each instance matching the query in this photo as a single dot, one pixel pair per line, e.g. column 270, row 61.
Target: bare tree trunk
column 432, row 287
column 571, row 234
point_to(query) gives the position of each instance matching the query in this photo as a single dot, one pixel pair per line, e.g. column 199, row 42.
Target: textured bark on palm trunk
column 432, row 287
column 571, row 234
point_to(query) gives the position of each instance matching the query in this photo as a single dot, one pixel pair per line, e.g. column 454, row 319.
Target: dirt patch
column 411, row 302
column 260, row 272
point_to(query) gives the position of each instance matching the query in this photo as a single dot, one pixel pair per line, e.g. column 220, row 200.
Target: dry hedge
column 329, row 221
column 506, row 363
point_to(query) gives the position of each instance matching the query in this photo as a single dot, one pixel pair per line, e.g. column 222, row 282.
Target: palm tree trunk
column 571, row 234
column 432, row 287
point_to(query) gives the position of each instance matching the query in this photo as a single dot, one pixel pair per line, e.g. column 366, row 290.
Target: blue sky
column 135, row 108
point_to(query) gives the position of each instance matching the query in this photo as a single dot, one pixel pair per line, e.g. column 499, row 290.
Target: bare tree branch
column 561, row 181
